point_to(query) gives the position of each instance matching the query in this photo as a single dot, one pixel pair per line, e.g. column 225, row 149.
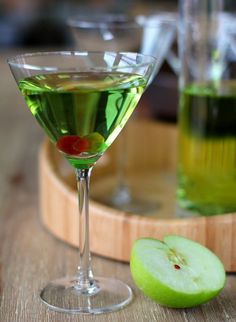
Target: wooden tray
column 151, row 171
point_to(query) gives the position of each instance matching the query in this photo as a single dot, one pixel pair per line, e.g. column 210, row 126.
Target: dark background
column 30, row 23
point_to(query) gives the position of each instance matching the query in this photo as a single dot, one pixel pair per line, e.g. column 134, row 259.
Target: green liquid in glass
column 93, row 106
column 207, row 148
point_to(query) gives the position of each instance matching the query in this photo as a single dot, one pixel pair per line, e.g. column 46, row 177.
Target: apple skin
column 161, row 293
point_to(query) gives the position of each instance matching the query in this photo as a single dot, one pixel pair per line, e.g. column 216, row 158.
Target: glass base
column 103, row 295
column 124, row 200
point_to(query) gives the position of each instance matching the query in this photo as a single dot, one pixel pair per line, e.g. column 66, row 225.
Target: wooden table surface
column 30, row 256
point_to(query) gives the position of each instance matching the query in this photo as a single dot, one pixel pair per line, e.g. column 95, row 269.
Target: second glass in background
column 151, row 35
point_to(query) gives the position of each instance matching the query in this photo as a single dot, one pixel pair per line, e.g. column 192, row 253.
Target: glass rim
column 118, row 21
column 12, row 61
column 138, row 21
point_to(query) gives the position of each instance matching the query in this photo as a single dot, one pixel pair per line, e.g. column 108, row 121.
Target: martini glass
column 151, row 35
column 82, row 100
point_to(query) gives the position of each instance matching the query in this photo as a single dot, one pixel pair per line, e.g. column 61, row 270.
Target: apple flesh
column 176, row 272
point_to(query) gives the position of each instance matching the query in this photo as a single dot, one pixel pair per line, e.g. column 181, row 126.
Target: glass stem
column 122, row 192
column 84, row 272
column 122, row 160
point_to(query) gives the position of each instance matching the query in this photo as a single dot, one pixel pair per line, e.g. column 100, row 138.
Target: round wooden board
column 112, row 232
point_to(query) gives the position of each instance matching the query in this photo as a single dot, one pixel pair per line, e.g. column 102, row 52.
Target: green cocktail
column 82, row 112
column 207, row 156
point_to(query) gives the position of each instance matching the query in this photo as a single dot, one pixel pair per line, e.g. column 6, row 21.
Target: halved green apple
column 176, row 272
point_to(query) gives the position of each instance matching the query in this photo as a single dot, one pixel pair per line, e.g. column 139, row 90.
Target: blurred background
column 31, row 25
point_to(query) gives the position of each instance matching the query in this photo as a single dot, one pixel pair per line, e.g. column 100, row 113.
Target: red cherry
column 177, row 266
column 72, row 144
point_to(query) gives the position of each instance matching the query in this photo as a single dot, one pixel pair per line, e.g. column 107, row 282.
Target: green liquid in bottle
column 207, row 148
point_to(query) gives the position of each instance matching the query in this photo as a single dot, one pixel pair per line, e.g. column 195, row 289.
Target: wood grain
column 113, row 232
column 30, row 256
